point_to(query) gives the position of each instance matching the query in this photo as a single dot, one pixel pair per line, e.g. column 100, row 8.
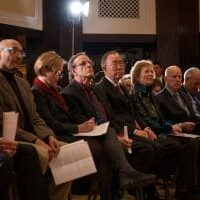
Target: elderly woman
column 63, row 119
column 142, row 74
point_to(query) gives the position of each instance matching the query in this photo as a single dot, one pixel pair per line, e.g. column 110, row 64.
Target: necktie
column 101, row 115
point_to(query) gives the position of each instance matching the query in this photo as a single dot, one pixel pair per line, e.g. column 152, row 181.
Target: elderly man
column 191, row 86
column 174, row 104
column 15, row 95
column 92, row 103
column 176, row 107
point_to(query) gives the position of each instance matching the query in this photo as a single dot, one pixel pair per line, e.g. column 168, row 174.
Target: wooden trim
column 7, row 31
column 120, row 38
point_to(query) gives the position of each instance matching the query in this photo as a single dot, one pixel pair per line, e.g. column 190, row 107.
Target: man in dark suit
column 124, row 113
column 89, row 101
column 191, row 85
column 175, row 105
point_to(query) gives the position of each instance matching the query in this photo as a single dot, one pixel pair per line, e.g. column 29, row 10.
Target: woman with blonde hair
column 66, row 121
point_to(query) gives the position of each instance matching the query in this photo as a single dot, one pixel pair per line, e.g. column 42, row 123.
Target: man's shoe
column 188, row 196
column 146, row 179
column 127, row 181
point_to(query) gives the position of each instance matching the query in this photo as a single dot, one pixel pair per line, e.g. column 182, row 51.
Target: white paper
column 98, row 130
column 73, row 161
column 126, row 137
column 10, row 120
column 190, row 135
column 187, row 135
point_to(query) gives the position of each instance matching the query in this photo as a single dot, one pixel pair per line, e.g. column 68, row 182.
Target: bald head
column 11, row 54
column 192, row 79
column 173, row 78
column 6, row 42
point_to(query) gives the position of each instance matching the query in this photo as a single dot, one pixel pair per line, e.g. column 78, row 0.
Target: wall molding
column 15, row 19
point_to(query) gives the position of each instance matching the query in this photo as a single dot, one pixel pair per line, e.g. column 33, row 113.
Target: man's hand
column 54, row 144
column 176, row 129
column 8, row 146
column 126, row 143
column 187, row 126
column 45, row 146
column 86, row 126
column 141, row 133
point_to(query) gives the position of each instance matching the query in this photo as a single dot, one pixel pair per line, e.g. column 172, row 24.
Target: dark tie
column 101, row 115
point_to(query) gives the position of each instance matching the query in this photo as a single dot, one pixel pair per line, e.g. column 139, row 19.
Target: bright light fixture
column 85, row 10
column 77, row 8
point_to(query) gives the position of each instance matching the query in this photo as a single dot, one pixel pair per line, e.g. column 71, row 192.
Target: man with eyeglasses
column 15, row 95
column 92, row 105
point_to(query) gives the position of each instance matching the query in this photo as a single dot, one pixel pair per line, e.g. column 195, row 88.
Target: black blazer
column 171, row 110
column 121, row 104
column 63, row 123
column 76, row 94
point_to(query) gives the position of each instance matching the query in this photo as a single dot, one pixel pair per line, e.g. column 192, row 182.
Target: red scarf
column 53, row 92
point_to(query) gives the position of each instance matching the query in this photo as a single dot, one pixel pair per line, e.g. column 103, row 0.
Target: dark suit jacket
column 75, row 93
column 9, row 102
column 171, row 110
column 63, row 123
column 121, row 104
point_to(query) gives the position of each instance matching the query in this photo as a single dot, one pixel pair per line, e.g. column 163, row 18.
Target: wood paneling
column 177, row 32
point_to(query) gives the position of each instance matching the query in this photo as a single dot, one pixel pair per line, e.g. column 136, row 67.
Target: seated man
column 176, row 105
column 124, row 113
column 59, row 116
column 15, row 95
column 191, row 86
column 23, row 161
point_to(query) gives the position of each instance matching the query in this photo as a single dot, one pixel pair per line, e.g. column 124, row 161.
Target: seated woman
column 63, row 120
column 142, row 74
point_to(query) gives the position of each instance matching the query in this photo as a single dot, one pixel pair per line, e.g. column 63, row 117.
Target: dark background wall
column 176, row 41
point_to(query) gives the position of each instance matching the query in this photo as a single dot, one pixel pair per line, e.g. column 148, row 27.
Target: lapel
column 187, row 99
column 10, row 93
column 110, row 88
column 170, row 99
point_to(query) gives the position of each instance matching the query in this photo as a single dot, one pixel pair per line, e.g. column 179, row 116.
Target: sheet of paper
column 73, row 161
column 186, row 135
column 10, row 120
column 98, row 130
column 126, row 137
column 190, row 135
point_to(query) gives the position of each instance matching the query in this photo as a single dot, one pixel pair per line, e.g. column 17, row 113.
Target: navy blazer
column 121, row 104
column 171, row 110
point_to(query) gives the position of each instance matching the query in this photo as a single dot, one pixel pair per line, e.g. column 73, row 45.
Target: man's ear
column 74, row 71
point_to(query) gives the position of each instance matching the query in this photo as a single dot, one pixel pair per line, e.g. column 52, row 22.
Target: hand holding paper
column 10, row 120
column 127, row 138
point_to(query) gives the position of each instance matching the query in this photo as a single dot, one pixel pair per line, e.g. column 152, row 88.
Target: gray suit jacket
column 9, row 102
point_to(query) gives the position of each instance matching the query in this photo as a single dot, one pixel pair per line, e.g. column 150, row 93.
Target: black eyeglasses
column 14, row 50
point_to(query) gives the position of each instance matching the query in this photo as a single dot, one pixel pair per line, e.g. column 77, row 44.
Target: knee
column 6, row 162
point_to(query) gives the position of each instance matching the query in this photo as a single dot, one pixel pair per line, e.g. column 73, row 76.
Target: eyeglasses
column 116, row 64
column 84, row 63
column 59, row 74
column 14, row 50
